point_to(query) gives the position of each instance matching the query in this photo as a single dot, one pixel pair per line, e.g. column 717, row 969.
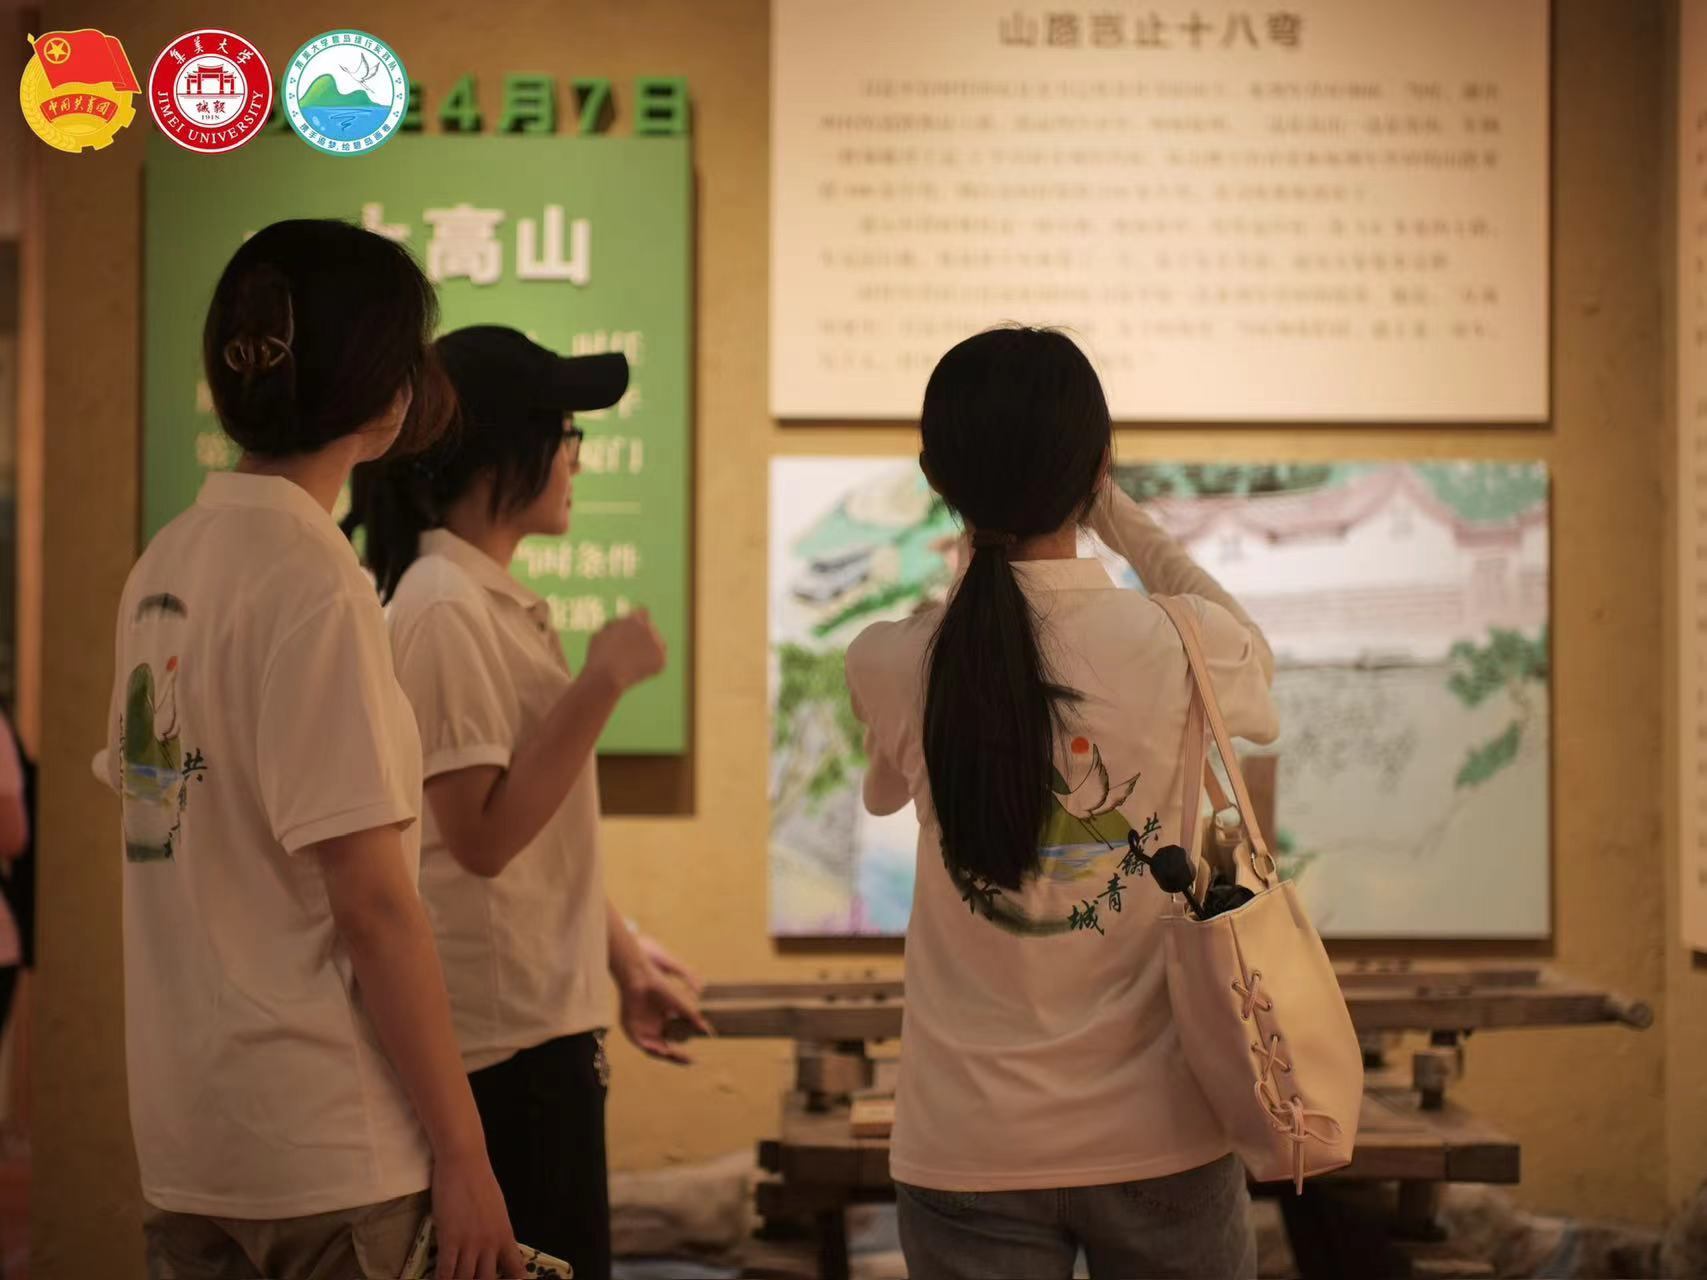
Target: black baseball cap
column 500, row 372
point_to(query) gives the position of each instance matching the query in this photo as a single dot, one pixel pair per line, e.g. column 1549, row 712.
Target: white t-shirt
column 255, row 713
column 525, row 951
column 1038, row 1049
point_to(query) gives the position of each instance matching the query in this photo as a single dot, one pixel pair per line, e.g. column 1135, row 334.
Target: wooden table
column 818, row 1167
column 1397, row 1141
column 1411, row 1135
column 1451, row 999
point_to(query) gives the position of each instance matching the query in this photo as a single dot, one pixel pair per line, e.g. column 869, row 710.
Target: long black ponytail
column 1016, row 435
column 392, row 502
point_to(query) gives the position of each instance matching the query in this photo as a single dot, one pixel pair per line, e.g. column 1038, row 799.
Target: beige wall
column 1686, row 971
column 1590, row 1106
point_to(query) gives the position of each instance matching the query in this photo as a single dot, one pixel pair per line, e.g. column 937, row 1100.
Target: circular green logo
column 345, row 92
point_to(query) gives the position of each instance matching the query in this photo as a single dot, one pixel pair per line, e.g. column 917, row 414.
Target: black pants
column 544, row 1112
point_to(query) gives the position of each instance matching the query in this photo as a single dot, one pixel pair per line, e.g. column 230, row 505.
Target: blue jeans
column 1196, row 1223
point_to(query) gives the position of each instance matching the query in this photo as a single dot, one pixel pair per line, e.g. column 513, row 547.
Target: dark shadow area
column 845, row 950
column 647, row 786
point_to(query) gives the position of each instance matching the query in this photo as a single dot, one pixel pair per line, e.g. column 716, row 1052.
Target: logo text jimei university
column 210, row 91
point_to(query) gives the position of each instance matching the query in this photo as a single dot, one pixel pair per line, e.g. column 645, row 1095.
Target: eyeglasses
column 572, row 437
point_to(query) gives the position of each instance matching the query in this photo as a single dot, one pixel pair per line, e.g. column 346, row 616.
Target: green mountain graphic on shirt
column 1085, row 843
column 324, row 92
column 155, row 769
column 141, row 745
column 1061, row 828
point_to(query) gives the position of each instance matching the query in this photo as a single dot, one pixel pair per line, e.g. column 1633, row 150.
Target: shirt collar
column 479, row 566
column 273, row 493
column 1082, row 574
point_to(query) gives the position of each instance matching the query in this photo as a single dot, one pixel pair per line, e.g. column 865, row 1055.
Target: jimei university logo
column 345, row 92
column 210, row 91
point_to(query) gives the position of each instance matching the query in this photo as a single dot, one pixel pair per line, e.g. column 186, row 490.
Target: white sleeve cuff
column 470, row 756
column 101, row 767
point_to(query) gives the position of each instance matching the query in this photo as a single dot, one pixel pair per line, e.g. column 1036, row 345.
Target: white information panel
column 1692, row 467
column 1335, row 211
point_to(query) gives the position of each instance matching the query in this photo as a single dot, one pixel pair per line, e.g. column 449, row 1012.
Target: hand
column 626, row 651
column 667, row 964
column 473, row 1226
column 649, row 1005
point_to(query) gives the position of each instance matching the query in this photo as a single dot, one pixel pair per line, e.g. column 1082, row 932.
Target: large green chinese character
column 417, row 106
column 593, row 93
column 663, row 106
column 530, row 106
column 461, row 110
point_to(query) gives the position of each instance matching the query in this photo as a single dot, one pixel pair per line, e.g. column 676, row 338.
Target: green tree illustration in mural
column 811, row 690
column 1510, row 663
column 1290, row 862
column 1205, row 480
column 877, row 604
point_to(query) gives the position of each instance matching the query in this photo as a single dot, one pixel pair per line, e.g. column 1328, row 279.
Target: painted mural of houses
column 883, row 542
column 1376, row 567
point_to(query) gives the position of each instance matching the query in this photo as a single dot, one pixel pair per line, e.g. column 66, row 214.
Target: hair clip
column 246, row 354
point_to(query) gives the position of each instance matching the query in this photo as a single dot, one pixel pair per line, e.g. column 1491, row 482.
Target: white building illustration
column 1377, row 569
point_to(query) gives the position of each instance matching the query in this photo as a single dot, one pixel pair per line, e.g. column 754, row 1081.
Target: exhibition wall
column 1612, row 1123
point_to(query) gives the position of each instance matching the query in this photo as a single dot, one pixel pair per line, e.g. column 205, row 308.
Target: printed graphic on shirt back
column 155, row 772
column 1086, row 862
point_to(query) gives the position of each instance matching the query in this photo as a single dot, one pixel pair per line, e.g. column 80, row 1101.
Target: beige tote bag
column 1259, row 1010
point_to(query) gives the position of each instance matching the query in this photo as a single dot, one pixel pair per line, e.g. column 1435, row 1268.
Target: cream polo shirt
column 255, row 713
column 1038, row 1049
column 525, row 952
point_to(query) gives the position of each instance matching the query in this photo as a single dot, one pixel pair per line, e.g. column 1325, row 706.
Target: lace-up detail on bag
column 1269, row 1060
column 1300, row 1124
column 1249, row 992
column 1288, row 1116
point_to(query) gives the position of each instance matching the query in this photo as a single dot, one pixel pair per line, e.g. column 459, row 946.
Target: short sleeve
column 330, row 755
column 450, row 670
column 1239, row 673
column 885, row 788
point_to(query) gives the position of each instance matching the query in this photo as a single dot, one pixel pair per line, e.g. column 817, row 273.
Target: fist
column 626, row 651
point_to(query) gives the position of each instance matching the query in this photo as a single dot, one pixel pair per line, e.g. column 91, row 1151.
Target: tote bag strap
column 1218, row 797
column 1185, row 622
column 1194, row 771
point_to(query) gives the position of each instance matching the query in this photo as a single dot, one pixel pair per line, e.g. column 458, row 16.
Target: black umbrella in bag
column 1173, row 871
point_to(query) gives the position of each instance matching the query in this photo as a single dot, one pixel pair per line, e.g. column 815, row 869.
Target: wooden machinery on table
column 833, row 1150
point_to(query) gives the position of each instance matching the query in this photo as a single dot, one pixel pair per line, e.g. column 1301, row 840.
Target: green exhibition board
column 583, row 243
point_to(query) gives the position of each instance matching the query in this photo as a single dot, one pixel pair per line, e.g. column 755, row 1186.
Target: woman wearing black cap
column 511, row 869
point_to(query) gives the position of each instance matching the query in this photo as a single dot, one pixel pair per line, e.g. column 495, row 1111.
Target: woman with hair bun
column 295, row 1085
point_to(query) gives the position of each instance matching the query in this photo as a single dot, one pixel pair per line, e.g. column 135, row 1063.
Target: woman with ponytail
column 511, row 869
column 1044, row 1106
column 295, row 1089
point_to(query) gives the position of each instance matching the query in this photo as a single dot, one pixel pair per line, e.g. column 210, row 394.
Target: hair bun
column 263, row 320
